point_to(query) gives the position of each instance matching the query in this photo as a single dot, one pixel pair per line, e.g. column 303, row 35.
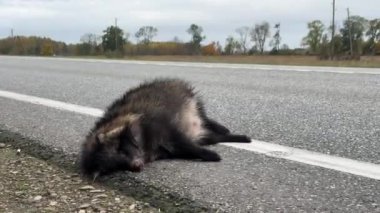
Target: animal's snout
column 137, row 165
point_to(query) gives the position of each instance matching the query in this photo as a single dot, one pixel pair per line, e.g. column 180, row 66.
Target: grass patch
column 366, row 61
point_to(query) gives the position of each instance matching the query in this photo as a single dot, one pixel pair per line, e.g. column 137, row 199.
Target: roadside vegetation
column 356, row 43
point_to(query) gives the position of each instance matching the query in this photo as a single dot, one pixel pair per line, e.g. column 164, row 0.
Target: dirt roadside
column 28, row 184
column 45, row 168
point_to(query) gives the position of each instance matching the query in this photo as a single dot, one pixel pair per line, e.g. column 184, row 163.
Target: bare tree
column 89, row 44
column 90, row 38
column 146, row 33
column 232, row 46
column 243, row 40
column 275, row 43
column 259, row 35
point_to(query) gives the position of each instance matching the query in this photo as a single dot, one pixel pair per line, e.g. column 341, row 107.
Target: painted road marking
column 355, row 167
column 51, row 103
column 341, row 70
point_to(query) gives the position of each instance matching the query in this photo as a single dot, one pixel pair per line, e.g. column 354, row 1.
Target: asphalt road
column 333, row 111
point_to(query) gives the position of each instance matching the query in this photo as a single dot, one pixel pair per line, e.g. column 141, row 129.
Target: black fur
column 143, row 126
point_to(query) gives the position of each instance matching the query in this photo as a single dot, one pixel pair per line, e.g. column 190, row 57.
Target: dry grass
column 296, row 60
column 366, row 61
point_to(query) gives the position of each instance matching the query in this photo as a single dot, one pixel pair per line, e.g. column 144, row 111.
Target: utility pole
column 116, row 34
column 11, row 32
column 333, row 32
column 349, row 31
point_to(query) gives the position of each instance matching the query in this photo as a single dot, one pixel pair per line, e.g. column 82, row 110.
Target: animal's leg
column 215, row 138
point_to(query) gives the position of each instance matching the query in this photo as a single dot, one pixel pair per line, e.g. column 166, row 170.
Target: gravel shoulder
column 28, row 184
column 38, row 164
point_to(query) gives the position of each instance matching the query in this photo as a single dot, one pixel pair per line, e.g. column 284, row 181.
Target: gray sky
column 67, row 20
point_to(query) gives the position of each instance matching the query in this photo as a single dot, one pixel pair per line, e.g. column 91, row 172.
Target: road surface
column 328, row 111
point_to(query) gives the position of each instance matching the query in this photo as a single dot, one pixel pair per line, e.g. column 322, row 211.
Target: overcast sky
column 67, row 20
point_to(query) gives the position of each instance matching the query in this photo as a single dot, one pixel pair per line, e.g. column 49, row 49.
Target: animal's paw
column 246, row 139
column 137, row 165
column 208, row 155
column 223, row 130
column 243, row 139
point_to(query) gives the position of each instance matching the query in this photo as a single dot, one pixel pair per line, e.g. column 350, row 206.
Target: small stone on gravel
column 37, row 198
column 96, row 191
column 50, row 209
column 87, row 187
column 84, row 206
column 132, row 207
column 28, row 184
column 53, row 203
column 2, row 145
column 100, row 196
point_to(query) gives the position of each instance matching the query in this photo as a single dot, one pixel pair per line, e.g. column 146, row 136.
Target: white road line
column 51, row 103
column 340, row 70
column 347, row 165
column 355, row 167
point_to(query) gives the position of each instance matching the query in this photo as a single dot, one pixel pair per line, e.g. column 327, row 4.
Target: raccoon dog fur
column 160, row 119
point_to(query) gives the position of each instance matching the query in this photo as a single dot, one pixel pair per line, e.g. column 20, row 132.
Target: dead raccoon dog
column 160, row 119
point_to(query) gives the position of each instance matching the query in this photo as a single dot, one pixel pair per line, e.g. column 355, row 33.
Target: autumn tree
column 47, row 49
column 113, row 39
column 210, row 49
column 145, row 34
column 32, row 45
column 259, row 35
column 243, row 39
column 196, row 37
column 314, row 36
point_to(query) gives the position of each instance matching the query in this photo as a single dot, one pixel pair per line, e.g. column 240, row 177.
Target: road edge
column 158, row 197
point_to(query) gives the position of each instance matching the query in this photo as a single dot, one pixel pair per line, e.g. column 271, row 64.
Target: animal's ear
column 135, row 127
column 100, row 138
column 104, row 137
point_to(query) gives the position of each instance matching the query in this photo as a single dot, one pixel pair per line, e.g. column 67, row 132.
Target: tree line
column 356, row 37
column 115, row 42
